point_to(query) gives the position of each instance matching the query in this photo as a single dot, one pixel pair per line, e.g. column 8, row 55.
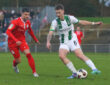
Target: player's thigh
column 63, row 51
column 24, row 48
column 15, row 52
column 75, row 47
column 79, row 53
column 74, row 44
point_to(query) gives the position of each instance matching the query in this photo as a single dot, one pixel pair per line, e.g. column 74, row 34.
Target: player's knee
column 29, row 56
column 62, row 57
column 18, row 60
column 80, row 56
column 26, row 51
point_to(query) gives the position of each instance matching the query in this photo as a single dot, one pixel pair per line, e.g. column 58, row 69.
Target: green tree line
column 83, row 8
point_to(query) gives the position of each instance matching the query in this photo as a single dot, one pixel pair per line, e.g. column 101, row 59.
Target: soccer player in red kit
column 16, row 40
column 79, row 35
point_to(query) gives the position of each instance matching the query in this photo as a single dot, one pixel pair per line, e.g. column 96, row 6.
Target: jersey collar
column 22, row 20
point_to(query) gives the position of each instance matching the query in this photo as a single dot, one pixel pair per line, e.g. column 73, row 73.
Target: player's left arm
column 84, row 22
column 30, row 31
column 74, row 20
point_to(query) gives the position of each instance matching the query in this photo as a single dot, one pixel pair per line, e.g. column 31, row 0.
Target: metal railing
column 55, row 47
column 95, row 48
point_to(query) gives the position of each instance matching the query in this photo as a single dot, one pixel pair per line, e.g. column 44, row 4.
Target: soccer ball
column 82, row 73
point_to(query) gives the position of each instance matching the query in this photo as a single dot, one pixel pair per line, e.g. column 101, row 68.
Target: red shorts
column 14, row 49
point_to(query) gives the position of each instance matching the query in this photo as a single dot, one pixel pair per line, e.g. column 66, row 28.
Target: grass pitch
column 105, row 20
column 52, row 71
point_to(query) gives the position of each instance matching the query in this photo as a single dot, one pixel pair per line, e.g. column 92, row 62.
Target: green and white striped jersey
column 64, row 28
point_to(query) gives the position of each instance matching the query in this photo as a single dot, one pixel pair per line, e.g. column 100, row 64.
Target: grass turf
column 52, row 71
column 105, row 20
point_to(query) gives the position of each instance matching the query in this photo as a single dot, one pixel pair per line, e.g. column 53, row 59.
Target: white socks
column 90, row 64
column 71, row 67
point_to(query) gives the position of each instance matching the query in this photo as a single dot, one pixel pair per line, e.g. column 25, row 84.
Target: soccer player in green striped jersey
column 64, row 24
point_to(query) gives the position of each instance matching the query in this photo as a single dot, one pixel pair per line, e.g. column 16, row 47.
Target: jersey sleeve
column 74, row 20
column 53, row 25
column 12, row 25
column 9, row 30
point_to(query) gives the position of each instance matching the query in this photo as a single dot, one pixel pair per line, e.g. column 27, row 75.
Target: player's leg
column 74, row 46
column 67, row 62
column 15, row 52
column 16, row 61
column 63, row 51
column 31, row 62
column 78, row 52
column 62, row 54
column 25, row 48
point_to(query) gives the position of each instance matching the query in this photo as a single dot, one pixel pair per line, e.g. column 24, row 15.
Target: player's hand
column 48, row 45
column 18, row 43
column 38, row 42
column 98, row 23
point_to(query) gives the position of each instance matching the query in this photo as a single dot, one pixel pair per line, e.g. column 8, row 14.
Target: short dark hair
column 25, row 10
column 59, row 6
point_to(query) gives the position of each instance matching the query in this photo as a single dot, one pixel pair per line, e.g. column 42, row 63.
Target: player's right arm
column 11, row 27
column 51, row 31
column 49, row 37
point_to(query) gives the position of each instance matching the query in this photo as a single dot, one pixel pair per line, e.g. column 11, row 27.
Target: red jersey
column 16, row 30
column 79, row 36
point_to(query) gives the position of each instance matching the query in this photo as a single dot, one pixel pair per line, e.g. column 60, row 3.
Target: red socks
column 31, row 62
column 14, row 63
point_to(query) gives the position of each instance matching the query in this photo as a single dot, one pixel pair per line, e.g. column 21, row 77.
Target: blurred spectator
column 3, row 42
column 1, row 15
column 12, row 12
column 38, row 13
column 3, row 23
column 14, row 15
column 44, row 21
column 36, row 24
column 6, row 16
column 32, row 13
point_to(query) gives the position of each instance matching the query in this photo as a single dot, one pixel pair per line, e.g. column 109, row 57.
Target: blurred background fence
column 94, row 48
column 96, row 40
